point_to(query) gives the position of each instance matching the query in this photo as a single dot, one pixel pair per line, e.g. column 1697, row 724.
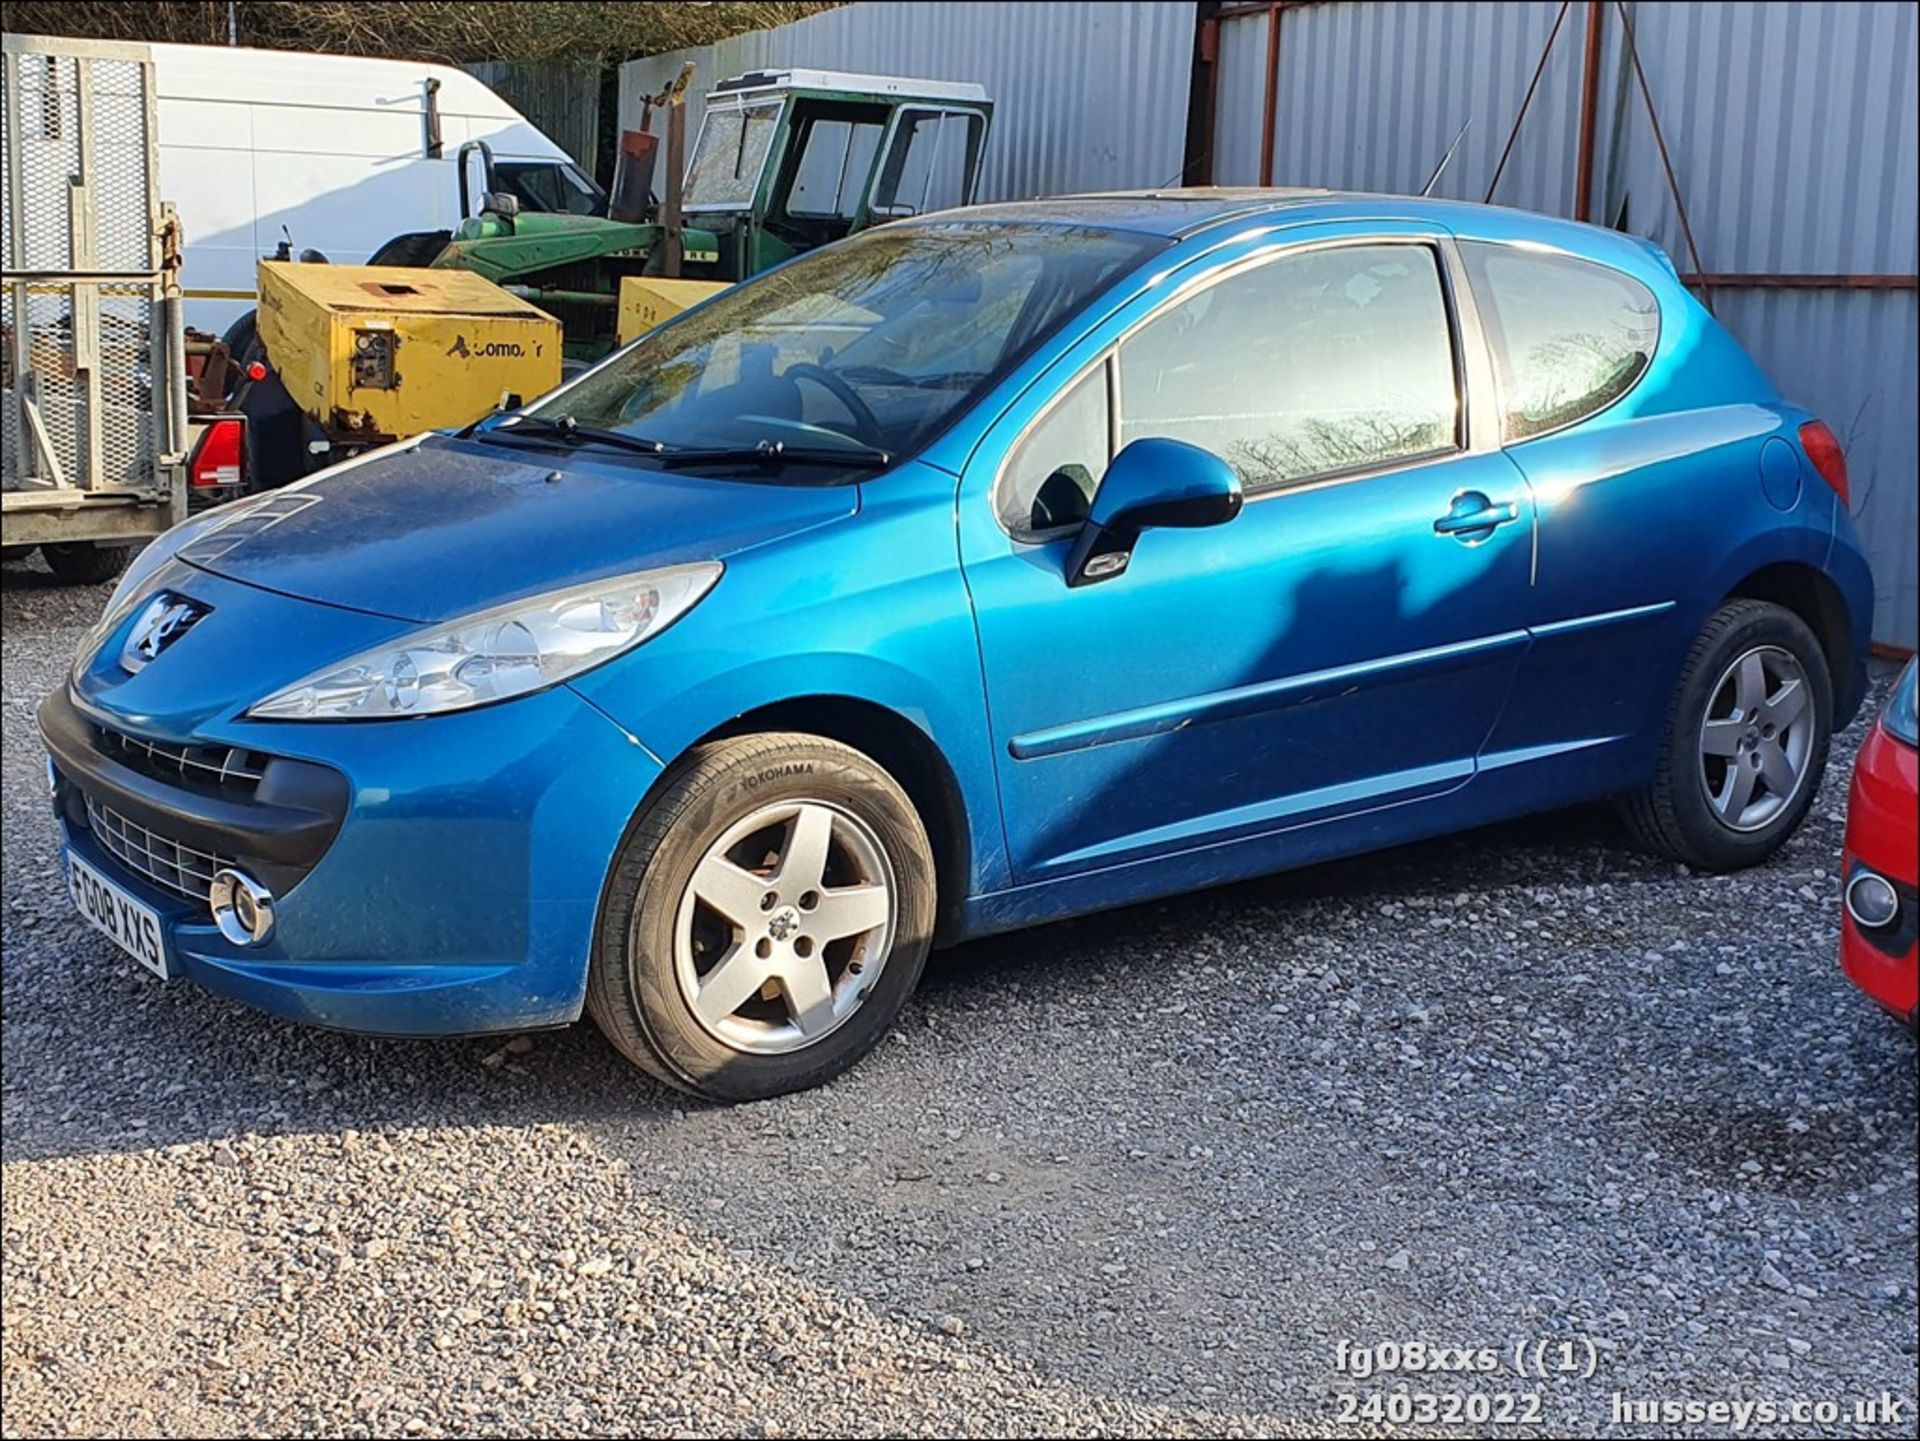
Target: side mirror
column 1153, row 482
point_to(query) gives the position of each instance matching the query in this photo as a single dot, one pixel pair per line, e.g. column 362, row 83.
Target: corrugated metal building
column 1793, row 131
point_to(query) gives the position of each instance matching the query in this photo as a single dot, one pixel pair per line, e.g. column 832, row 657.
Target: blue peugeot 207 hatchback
column 982, row 569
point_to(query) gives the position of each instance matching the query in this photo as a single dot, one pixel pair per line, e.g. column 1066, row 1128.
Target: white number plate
column 130, row 924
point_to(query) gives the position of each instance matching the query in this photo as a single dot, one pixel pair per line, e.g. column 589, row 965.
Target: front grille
column 229, row 768
column 168, row 864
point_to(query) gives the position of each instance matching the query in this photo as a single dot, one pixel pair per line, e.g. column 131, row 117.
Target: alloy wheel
column 1757, row 738
column 784, row 926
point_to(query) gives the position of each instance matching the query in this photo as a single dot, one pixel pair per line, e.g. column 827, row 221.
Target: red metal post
column 1203, row 103
column 1589, row 110
column 1272, row 92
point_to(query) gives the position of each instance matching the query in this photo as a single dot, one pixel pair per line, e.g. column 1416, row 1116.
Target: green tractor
column 784, row 161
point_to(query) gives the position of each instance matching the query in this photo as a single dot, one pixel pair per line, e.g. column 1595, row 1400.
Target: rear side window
column 1569, row 337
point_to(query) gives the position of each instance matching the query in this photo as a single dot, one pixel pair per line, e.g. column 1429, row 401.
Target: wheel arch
column 1812, row 595
column 907, row 753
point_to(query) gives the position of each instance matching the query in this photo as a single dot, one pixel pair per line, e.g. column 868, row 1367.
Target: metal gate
column 82, row 367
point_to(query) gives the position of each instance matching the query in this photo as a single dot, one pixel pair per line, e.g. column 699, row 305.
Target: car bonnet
column 448, row 527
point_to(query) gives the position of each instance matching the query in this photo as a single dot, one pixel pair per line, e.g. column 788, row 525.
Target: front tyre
column 1745, row 742
column 766, row 918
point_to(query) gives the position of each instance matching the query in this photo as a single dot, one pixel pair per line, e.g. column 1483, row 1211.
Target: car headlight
column 509, row 650
column 1903, row 708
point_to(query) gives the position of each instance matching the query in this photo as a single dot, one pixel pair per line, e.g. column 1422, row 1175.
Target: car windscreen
column 874, row 344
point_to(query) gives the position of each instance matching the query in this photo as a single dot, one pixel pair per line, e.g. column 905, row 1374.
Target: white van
column 337, row 154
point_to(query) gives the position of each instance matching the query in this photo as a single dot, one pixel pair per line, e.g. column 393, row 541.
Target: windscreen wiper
column 882, row 375
column 568, row 431
column 770, row 454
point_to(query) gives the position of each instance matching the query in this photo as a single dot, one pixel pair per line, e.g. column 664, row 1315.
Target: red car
column 1878, row 869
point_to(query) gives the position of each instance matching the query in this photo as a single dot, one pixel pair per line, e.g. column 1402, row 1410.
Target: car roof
column 1183, row 210
column 1223, row 211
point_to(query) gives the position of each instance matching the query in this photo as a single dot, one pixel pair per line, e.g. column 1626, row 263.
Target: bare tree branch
column 448, row 31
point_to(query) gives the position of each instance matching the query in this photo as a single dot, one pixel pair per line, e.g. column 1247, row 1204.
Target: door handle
column 1472, row 516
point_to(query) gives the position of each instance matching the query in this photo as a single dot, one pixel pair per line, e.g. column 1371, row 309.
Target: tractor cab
column 793, row 159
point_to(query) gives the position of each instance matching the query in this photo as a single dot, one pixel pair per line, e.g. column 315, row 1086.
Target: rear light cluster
column 1827, row 457
column 218, row 457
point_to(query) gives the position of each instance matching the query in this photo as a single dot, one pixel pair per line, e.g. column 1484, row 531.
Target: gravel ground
column 1138, row 1173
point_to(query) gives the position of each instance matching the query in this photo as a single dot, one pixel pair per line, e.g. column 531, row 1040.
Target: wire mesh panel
column 128, row 333
column 80, row 129
column 89, row 380
column 43, row 120
column 126, row 232
column 80, row 251
column 52, row 387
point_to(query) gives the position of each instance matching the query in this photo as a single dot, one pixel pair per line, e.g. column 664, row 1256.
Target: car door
column 1633, row 504
column 1344, row 644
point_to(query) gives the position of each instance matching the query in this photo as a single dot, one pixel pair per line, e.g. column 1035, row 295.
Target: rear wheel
column 1745, row 744
column 766, row 919
column 82, row 562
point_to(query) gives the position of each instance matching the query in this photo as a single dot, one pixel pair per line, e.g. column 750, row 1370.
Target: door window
column 1568, row 337
column 930, row 162
column 1308, row 366
column 833, row 169
column 1050, row 478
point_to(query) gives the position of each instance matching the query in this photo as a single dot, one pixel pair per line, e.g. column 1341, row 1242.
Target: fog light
column 1871, row 900
column 242, row 907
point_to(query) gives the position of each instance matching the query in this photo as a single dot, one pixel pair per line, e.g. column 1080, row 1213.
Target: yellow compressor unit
column 647, row 300
column 381, row 352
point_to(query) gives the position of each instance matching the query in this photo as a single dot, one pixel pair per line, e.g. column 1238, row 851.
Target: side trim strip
column 1608, row 617
column 1267, row 817
column 1527, row 755
column 1264, row 696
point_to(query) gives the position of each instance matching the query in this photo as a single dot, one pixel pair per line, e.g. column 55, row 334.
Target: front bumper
column 1884, row 962
column 447, row 884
